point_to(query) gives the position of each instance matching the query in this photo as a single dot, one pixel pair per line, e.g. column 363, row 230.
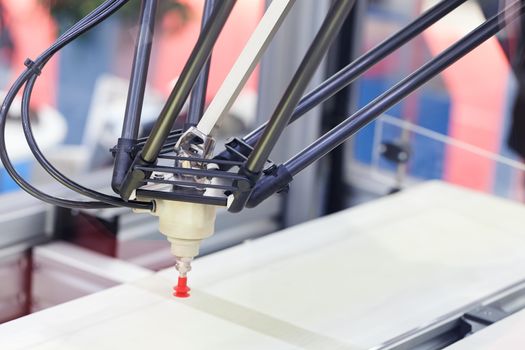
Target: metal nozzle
column 183, row 265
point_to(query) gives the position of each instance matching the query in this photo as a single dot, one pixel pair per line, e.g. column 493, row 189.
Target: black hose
column 94, row 18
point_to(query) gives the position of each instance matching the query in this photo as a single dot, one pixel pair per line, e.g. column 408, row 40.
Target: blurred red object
column 33, row 30
column 175, row 46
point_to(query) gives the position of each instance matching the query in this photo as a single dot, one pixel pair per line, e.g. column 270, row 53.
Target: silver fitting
column 194, row 143
column 183, row 265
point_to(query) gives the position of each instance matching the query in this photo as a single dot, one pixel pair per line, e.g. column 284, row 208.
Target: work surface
column 353, row 280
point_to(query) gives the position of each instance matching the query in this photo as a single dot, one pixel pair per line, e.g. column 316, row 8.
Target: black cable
column 94, row 18
column 3, row 119
column 14, row 174
column 55, row 173
column 41, row 158
column 50, row 169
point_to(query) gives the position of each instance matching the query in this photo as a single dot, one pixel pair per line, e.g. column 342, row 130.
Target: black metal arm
column 270, row 184
column 355, row 69
column 125, row 151
column 281, row 117
column 162, row 128
column 198, row 95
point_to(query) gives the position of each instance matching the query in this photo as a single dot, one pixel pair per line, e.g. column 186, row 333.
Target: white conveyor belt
column 353, row 280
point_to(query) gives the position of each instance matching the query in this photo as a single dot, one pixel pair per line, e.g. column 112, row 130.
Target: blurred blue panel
column 81, row 63
column 369, row 88
column 7, row 184
column 428, row 156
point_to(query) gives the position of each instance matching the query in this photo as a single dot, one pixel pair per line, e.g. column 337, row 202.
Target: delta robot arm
column 177, row 175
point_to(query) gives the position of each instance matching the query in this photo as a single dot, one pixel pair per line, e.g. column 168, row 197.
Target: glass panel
column 432, row 156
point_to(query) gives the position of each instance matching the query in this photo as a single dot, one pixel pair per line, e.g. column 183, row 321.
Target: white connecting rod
column 245, row 64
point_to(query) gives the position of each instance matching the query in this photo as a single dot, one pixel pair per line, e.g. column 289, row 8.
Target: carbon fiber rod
column 135, row 100
column 189, row 75
column 281, row 117
column 198, row 94
column 162, row 128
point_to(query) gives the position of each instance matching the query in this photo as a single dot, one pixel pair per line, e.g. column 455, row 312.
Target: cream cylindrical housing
column 185, row 225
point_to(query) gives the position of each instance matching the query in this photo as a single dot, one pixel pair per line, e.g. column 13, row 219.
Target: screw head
column 403, row 156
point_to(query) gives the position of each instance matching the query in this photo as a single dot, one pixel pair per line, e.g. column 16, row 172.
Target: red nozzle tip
column 182, row 289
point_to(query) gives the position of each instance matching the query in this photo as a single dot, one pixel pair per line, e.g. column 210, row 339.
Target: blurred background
column 454, row 129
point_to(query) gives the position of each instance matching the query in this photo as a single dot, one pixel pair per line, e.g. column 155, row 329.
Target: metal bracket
column 397, row 151
column 483, row 317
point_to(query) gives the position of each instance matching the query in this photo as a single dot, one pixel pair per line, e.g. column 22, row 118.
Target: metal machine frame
column 180, row 165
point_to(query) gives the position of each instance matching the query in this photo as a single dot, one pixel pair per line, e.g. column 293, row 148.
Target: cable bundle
column 27, row 81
